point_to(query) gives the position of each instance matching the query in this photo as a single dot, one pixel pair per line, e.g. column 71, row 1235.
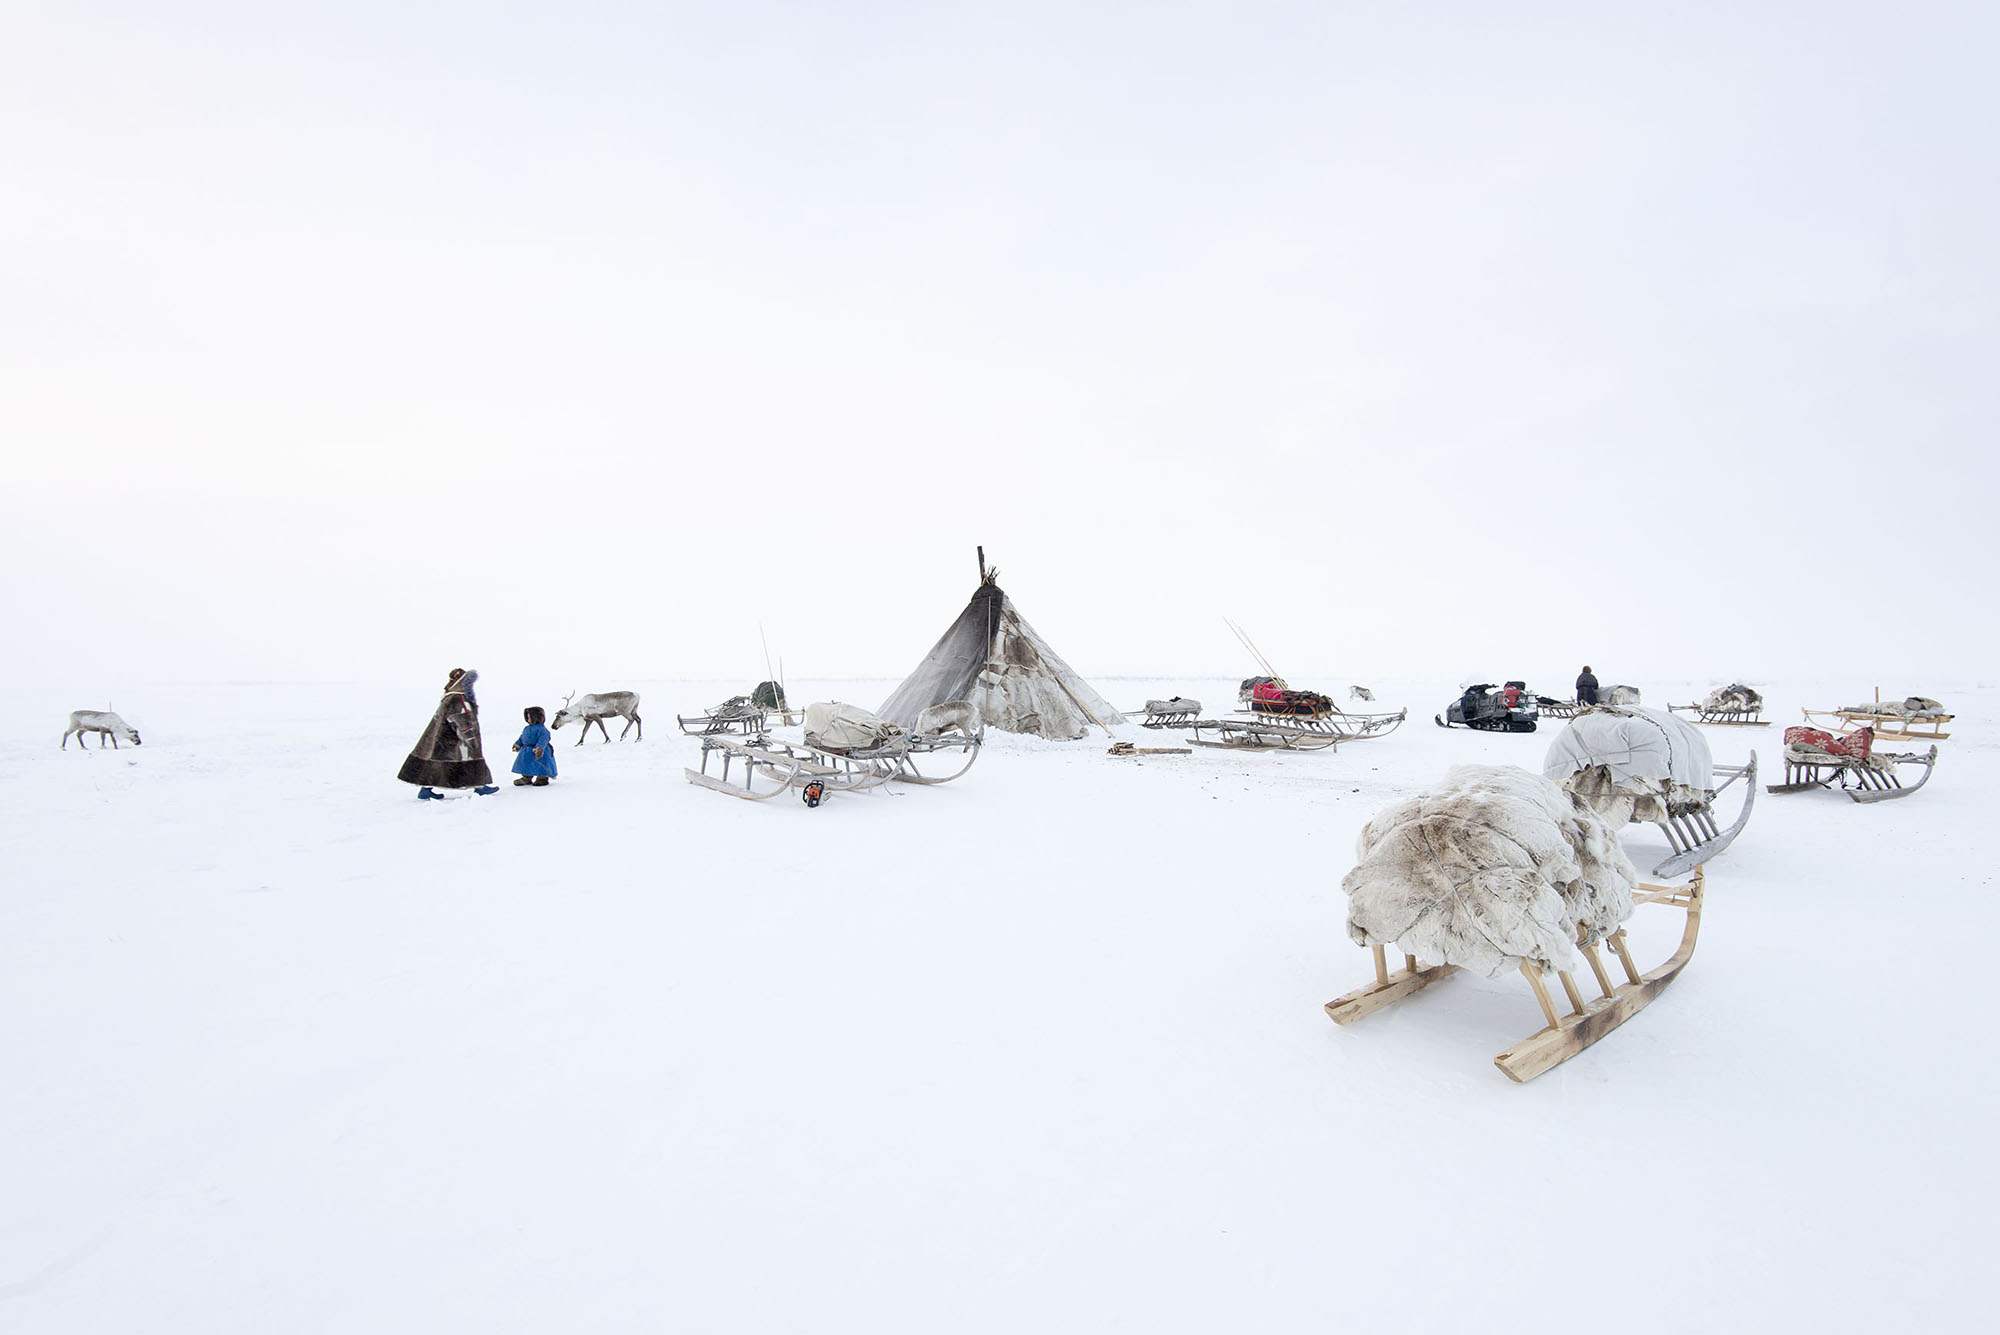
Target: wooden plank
column 1573, row 1033
column 709, row 781
column 1367, row 1000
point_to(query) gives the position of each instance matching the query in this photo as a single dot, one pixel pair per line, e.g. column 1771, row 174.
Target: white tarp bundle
column 993, row 658
column 1494, row 866
column 1618, row 695
column 1735, row 698
column 1631, row 763
column 1180, row 704
column 842, row 727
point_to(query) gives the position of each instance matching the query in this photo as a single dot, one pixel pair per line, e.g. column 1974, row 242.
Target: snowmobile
column 1489, row 708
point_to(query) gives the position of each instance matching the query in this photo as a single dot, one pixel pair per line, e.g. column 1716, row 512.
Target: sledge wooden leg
column 1533, row 973
column 1571, row 1034
column 1387, row 987
column 1597, row 967
column 1569, row 989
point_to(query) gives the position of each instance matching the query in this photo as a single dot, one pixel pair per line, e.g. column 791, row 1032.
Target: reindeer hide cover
column 1494, row 866
column 1632, row 763
column 1734, row 698
column 843, row 727
column 992, row 657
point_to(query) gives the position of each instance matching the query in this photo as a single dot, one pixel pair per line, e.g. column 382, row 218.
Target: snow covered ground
column 1043, row 1049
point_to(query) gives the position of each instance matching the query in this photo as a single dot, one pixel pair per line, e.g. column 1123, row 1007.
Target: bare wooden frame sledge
column 1723, row 718
column 1693, row 832
column 1331, row 721
column 1901, row 727
column 1858, row 778
column 771, row 767
column 1548, row 708
column 1258, row 733
column 736, row 715
column 1587, row 1021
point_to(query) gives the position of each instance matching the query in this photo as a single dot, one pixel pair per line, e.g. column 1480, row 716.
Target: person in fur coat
column 449, row 754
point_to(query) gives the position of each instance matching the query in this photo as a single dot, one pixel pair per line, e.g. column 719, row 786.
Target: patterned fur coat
column 449, row 754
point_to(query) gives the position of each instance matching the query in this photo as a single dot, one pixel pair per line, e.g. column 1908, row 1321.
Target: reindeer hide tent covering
column 1631, row 763
column 1495, row 866
column 994, row 658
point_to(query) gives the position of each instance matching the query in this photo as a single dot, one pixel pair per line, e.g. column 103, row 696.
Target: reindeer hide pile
column 1915, row 706
column 1735, row 698
column 1632, row 764
column 1495, row 866
column 1618, row 695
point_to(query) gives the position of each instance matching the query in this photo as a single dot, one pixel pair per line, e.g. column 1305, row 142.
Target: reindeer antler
column 567, row 698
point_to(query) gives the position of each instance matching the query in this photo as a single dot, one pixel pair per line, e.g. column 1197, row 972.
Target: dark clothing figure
column 449, row 754
column 1586, row 687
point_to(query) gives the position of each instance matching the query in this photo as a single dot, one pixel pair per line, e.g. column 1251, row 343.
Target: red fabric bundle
column 1856, row 744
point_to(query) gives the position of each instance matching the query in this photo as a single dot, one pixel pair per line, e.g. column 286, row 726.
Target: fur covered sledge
column 1735, row 698
column 449, row 754
column 1915, row 706
column 1633, row 764
column 1494, row 866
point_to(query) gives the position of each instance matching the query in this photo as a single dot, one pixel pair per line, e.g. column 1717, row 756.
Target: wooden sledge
column 1723, row 718
column 1259, row 735
column 926, row 744
column 1694, row 834
column 769, row 768
column 1901, row 727
column 1183, row 713
column 735, row 716
column 1329, row 722
column 1549, row 708
column 1586, row 1022
column 1869, row 783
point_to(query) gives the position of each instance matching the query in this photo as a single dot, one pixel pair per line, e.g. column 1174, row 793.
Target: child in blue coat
column 535, row 751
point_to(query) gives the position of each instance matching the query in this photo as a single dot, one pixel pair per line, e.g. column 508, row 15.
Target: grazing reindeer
column 102, row 722
column 961, row 716
column 597, row 708
column 1360, row 693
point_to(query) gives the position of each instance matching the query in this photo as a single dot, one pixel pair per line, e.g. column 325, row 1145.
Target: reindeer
column 961, row 716
column 102, row 722
column 1360, row 693
column 597, row 708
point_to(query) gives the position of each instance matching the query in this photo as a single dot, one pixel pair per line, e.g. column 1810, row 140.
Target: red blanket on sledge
column 1856, row 745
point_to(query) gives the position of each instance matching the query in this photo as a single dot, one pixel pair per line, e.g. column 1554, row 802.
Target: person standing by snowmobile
column 1586, row 687
column 449, row 754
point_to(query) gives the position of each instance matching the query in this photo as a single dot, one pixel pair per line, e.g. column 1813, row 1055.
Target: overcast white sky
column 338, row 338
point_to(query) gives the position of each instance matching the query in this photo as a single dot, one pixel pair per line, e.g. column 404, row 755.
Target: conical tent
column 993, row 658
